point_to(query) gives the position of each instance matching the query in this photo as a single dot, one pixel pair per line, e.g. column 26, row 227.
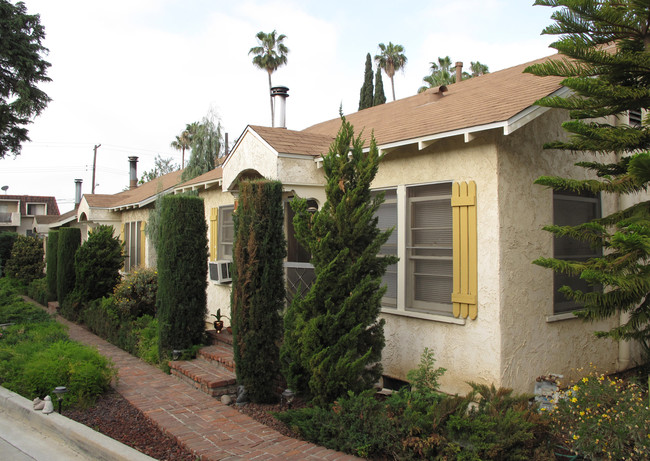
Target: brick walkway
column 203, row 425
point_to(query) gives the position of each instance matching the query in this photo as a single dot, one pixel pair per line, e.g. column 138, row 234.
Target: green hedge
column 182, row 273
column 26, row 260
column 258, row 287
column 69, row 241
column 97, row 264
column 51, row 263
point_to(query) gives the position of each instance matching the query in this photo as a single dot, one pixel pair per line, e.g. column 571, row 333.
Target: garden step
column 220, row 354
column 220, row 338
column 209, row 377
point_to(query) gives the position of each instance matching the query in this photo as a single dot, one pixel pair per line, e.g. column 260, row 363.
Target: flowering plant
column 604, row 417
column 135, row 295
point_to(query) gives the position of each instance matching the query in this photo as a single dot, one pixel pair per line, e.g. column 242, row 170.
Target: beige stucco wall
column 532, row 344
column 250, row 154
column 218, row 296
column 469, row 352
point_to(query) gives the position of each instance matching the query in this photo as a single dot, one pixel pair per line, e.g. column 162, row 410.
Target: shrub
column 51, row 261
column 135, row 295
column 83, row 370
column 69, row 241
column 333, row 335
column 37, row 290
column 26, row 260
column 258, row 287
column 72, row 306
column 145, row 329
column 102, row 317
column 97, row 264
column 182, row 273
column 604, row 417
column 7, row 240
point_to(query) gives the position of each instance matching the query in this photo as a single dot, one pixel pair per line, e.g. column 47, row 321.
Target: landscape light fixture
column 59, row 391
column 288, row 396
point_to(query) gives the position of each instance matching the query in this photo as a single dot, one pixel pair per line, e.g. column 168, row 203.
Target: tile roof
column 490, row 98
column 135, row 197
column 295, row 142
column 52, row 206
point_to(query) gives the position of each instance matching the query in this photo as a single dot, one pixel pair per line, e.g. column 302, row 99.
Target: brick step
column 211, row 378
column 220, row 338
column 218, row 354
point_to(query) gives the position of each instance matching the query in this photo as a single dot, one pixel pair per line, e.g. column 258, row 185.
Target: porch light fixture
column 59, row 392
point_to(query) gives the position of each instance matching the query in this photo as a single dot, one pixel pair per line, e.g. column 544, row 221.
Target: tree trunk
column 271, row 99
column 392, row 85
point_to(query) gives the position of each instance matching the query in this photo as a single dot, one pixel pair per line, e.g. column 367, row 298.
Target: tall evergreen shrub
column 69, row 241
column 7, row 240
column 26, row 260
column 333, row 338
column 258, row 287
column 367, row 89
column 51, row 263
column 97, row 264
column 182, row 273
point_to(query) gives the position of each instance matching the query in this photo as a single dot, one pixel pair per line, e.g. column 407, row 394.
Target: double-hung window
column 429, row 245
column 133, row 245
column 226, row 232
column 571, row 209
column 387, row 219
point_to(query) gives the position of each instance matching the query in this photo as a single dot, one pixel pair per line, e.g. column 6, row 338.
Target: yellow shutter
column 122, row 234
column 214, row 232
column 464, row 296
column 143, row 246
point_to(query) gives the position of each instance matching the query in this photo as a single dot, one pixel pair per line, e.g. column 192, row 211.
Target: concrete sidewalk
column 209, row 429
column 28, row 435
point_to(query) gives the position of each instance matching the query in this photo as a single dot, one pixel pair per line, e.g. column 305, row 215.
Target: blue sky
column 129, row 74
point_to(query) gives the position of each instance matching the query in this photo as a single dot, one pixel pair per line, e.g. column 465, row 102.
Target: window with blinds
column 133, row 245
column 226, row 234
column 429, row 249
column 387, row 219
column 571, row 209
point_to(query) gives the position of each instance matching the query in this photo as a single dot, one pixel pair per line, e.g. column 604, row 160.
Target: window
column 226, row 233
column 387, row 219
column 635, row 117
column 429, row 249
column 34, row 209
column 299, row 272
column 133, row 245
column 571, row 209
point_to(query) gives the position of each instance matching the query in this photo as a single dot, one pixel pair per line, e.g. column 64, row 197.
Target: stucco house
column 127, row 211
column 24, row 213
column 458, row 167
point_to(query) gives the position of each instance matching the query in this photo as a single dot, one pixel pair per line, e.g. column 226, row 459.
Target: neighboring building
column 458, row 170
column 21, row 213
column 128, row 213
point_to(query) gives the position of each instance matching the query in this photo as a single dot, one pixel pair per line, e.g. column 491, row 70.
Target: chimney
column 459, row 71
column 280, row 95
column 133, row 172
column 77, row 192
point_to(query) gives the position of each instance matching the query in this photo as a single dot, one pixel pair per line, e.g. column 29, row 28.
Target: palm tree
column 181, row 143
column 440, row 74
column 270, row 54
column 391, row 60
column 478, row 69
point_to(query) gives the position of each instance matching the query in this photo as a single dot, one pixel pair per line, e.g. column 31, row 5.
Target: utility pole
column 95, row 165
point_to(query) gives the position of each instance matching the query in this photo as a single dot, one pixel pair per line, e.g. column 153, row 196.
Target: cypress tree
column 51, row 263
column 257, row 296
column 333, row 338
column 69, row 241
column 366, row 96
column 380, row 96
column 605, row 45
column 182, row 273
column 97, row 264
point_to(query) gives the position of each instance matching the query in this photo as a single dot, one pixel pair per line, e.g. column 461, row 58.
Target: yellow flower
column 585, row 380
column 574, row 400
column 576, row 388
column 582, row 413
column 576, row 437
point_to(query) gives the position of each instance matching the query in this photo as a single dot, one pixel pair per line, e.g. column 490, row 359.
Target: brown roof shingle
column 490, row 98
column 295, row 142
column 52, row 206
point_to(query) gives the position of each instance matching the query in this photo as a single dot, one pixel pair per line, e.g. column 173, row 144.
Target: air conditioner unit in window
column 220, row 271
